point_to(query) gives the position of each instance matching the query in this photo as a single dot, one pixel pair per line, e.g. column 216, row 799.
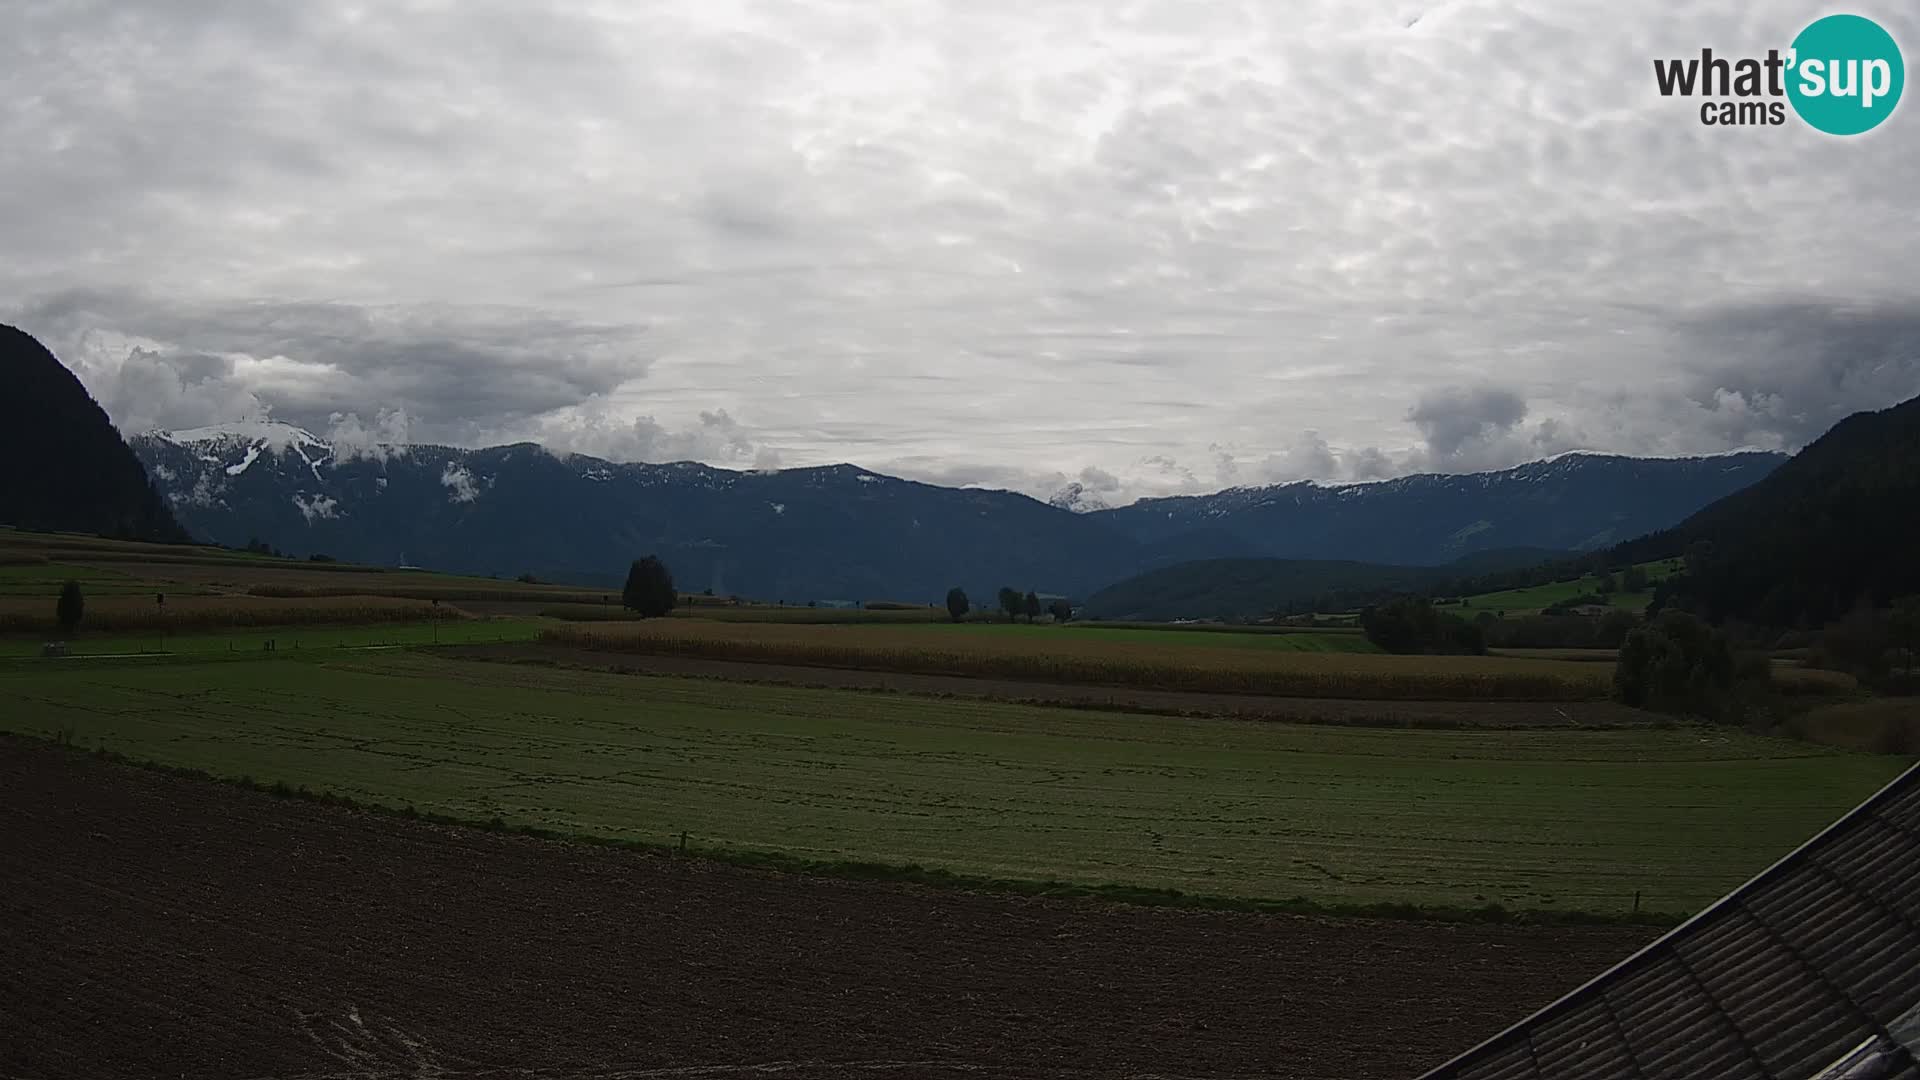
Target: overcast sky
column 1156, row 246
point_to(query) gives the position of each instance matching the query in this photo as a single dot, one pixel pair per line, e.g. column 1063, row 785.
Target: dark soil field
column 155, row 925
column 1389, row 713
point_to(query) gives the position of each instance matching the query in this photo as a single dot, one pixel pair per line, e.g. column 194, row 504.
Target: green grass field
column 1560, row 820
column 1530, row 601
column 45, row 579
column 252, row 640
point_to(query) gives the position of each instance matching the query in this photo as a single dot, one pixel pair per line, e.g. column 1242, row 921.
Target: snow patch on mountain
column 320, row 506
column 253, row 455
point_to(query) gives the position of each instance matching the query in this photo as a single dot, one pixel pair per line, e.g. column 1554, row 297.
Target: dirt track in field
column 155, row 925
column 1431, row 714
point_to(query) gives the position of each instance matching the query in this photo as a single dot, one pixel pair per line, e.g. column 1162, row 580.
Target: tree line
column 1012, row 604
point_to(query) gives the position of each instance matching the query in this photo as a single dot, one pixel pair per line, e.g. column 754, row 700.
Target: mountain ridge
column 836, row 531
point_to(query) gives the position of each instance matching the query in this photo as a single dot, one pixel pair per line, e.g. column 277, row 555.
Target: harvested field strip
column 1214, row 628
column 1060, row 655
column 759, row 613
column 1359, row 712
column 1081, row 636
column 434, row 592
column 184, row 614
column 1559, row 821
column 247, row 640
column 153, row 922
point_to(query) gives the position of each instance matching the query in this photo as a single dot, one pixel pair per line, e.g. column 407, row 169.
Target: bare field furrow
column 182, row 927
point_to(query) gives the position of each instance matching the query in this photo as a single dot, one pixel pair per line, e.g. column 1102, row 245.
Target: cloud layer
column 1148, row 247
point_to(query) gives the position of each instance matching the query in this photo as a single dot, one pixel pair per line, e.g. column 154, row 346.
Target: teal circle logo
column 1846, row 74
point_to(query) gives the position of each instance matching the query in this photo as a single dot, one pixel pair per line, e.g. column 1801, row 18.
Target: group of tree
column 1013, row 604
column 1879, row 646
column 1411, row 624
column 1679, row 664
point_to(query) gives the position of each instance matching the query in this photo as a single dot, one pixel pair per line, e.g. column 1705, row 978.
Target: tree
column 649, row 590
column 1904, row 628
column 1031, row 605
column 1061, row 610
column 1633, row 580
column 1608, row 585
column 1678, row 664
column 71, row 608
column 1010, row 602
column 957, row 605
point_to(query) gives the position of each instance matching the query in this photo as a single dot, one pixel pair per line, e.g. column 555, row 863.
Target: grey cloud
column 1452, row 418
column 388, row 436
column 992, row 239
column 1099, row 480
column 167, row 363
column 1309, row 458
column 1778, row 375
column 1371, row 463
column 596, row 429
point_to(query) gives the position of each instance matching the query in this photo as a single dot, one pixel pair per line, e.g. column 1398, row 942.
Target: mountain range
column 843, row 532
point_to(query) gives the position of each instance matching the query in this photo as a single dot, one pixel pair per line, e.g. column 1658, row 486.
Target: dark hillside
column 63, row 467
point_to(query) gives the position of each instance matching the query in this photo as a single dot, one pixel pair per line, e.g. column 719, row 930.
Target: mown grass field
column 122, row 613
column 44, row 579
column 1558, row 821
column 33, row 564
column 1297, row 665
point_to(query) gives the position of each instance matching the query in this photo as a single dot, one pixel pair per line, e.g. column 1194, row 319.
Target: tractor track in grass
column 161, row 925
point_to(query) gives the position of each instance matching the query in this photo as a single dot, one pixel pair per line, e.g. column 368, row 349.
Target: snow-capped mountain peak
column 266, row 434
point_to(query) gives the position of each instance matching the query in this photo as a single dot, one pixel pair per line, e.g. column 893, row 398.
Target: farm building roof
column 1811, row 971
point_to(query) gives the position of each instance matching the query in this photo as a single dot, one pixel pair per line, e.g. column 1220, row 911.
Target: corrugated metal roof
column 1811, row 971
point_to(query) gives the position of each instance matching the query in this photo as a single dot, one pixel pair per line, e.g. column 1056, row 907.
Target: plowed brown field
column 153, row 925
